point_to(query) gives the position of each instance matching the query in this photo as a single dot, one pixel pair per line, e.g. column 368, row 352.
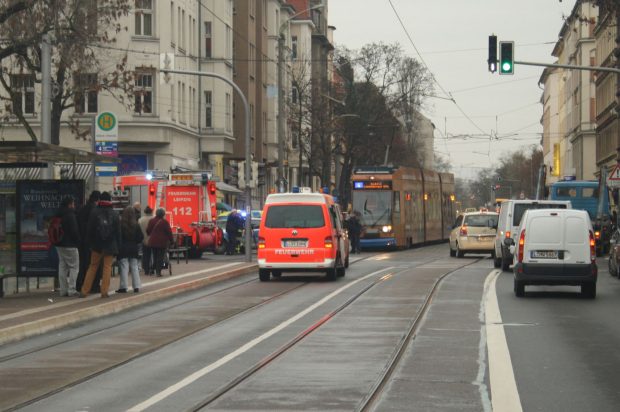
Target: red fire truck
column 190, row 203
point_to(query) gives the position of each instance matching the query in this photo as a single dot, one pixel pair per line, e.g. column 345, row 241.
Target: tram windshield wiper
column 386, row 211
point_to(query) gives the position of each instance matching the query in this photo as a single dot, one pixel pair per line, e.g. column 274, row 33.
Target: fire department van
column 302, row 231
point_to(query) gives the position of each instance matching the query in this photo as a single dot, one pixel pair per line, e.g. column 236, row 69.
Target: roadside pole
column 46, row 98
column 248, row 154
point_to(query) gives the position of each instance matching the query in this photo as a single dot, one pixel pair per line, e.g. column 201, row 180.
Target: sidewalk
column 32, row 313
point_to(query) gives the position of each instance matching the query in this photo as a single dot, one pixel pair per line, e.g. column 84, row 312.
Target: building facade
column 569, row 130
column 178, row 121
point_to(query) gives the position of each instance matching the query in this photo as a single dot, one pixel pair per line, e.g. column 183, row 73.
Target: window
column 173, row 33
column 183, row 29
column 22, row 86
column 252, row 64
column 85, row 98
column 294, row 95
column 208, row 51
column 208, row 109
column 295, row 216
column 228, row 115
column 173, row 103
column 294, row 47
column 143, row 93
column 144, row 17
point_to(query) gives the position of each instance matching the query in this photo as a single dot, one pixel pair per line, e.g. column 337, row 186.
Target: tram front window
column 375, row 207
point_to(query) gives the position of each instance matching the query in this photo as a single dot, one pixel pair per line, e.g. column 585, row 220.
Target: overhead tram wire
column 451, row 98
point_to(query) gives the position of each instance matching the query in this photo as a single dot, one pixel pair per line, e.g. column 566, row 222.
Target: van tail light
column 329, row 242
column 508, row 234
column 261, row 243
column 521, row 246
column 592, row 248
column 463, row 231
column 597, row 235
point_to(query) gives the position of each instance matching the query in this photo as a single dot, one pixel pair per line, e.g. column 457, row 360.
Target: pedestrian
column 354, row 226
column 147, row 255
column 67, row 242
column 104, row 237
column 136, row 210
column 234, row 224
column 131, row 238
column 160, row 237
column 84, row 249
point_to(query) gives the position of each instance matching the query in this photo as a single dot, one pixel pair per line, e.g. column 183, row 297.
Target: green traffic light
column 506, row 57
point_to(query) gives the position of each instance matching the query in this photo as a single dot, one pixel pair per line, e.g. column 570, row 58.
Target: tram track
column 377, row 389
column 153, row 348
column 367, row 404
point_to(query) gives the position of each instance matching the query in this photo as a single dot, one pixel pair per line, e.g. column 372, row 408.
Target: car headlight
column 386, row 229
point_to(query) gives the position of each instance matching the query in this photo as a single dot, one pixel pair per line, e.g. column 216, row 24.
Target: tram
column 402, row 207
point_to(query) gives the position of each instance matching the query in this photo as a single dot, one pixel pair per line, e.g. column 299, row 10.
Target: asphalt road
column 564, row 349
column 339, row 337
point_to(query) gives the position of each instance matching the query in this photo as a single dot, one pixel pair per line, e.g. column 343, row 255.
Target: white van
column 555, row 247
column 510, row 215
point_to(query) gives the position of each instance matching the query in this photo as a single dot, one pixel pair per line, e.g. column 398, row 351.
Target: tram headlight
column 386, row 229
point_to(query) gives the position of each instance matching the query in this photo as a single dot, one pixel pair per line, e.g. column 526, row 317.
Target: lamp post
column 281, row 99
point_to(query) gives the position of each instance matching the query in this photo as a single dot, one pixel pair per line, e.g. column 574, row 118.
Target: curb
column 40, row 326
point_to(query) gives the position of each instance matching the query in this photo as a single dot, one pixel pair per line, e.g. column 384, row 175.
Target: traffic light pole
column 248, row 152
column 568, row 66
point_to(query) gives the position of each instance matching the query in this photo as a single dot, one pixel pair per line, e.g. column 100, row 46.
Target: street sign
column 106, row 127
column 106, row 142
column 613, row 180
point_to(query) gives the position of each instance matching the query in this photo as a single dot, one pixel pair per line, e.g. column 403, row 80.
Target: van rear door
column 544, row 243
column 577, row 241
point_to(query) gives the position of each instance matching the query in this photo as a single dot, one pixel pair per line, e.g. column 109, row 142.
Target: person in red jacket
column 160, row 237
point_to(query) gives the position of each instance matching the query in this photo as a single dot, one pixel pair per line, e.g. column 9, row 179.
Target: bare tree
column 80, row 31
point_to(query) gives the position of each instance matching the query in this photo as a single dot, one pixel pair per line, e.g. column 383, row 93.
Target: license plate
column 544, row 254
column 294, row 243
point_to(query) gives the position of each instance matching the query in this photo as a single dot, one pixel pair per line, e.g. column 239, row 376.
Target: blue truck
column 589, row 196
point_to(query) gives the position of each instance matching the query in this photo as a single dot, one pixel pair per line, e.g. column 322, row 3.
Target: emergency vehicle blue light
column 358, row 185
column 295, row 189
column 326, row 190
column 244, row 213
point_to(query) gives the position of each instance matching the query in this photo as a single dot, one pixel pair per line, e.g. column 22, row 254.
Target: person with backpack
column 64, row 234
column 160, row 237
column 131, row 238
column 84, row 249
column 104, row 237
column 147, row 255
column 234, row 224
column 355, row 228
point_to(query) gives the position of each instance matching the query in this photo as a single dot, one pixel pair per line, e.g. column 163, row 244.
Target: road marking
column 504, row 392
column 158, row 397
column 93, row 296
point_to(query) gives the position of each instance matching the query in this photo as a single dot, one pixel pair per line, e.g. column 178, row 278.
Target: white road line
column 504, row 392
column 222, row 361
column 70, row 302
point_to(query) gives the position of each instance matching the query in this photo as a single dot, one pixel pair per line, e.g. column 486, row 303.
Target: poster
column 37, row 202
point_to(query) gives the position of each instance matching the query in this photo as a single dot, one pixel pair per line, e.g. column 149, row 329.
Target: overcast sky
column 452, row 37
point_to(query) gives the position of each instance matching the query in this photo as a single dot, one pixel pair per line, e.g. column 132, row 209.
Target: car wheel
column 452, row 252
column 331, row 273
column 588, row 290
column 346, row 261
column 263, row 275
column 194, row 253
column 497, row 261
column 617, row 271
column 459, row 252
column 505, row 264
column 519, row 288
column 221, row 249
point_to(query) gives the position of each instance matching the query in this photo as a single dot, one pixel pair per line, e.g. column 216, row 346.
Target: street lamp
column 281, row 124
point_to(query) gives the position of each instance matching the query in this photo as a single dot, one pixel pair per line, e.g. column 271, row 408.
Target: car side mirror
column 509, row 241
